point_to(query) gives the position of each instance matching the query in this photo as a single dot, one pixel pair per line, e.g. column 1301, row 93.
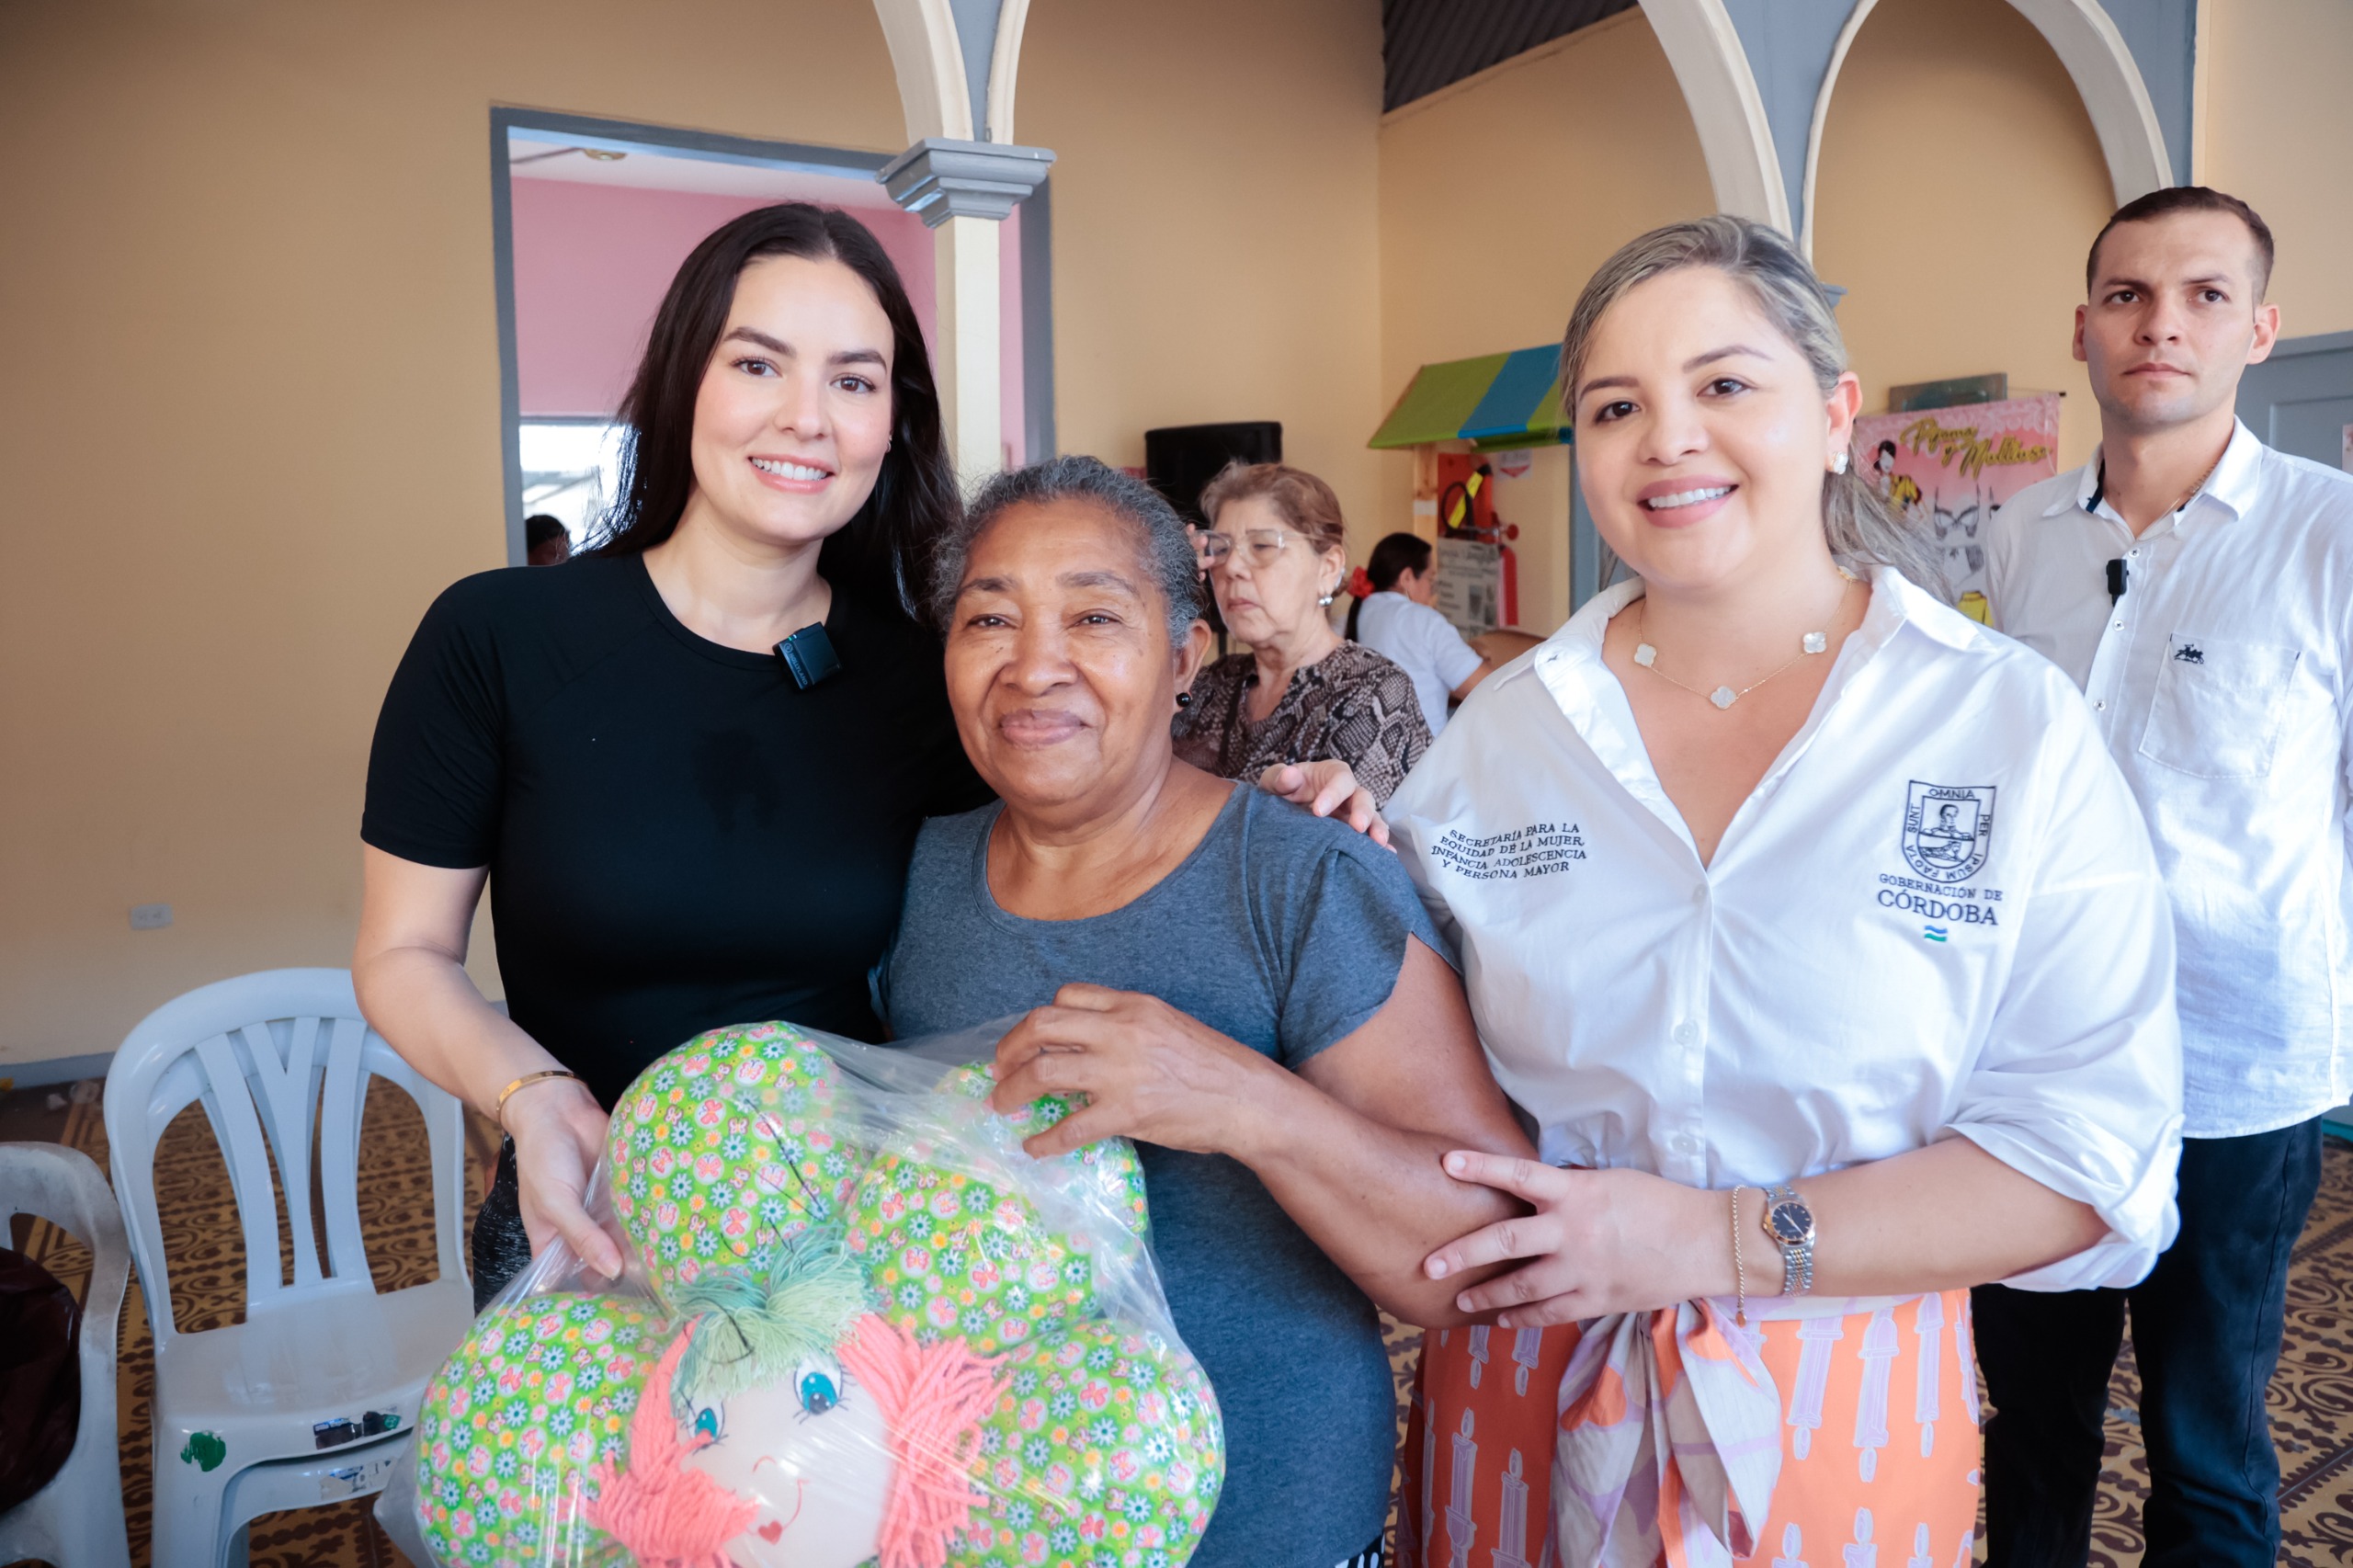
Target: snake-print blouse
column 1352, row 704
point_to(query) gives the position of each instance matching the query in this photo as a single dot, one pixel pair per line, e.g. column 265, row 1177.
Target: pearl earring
column 1839, row 463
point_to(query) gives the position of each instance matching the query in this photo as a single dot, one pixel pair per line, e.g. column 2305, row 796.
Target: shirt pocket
column 2218, row 707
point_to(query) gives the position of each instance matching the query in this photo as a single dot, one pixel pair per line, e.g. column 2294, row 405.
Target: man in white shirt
column 2199, row 587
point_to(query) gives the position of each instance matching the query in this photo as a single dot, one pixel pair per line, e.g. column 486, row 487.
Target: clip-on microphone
column 809, row 654
column 2116, row 580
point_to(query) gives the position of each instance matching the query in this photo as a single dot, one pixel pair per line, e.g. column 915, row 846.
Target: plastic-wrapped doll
column 884, row 1335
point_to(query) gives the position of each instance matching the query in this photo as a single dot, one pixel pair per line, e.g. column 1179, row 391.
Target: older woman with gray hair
column 1251, row 992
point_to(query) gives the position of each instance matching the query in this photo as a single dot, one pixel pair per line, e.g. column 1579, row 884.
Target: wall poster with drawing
column 1945, row 470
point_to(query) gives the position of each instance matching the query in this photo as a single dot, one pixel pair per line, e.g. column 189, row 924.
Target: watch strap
column 1797, row 1256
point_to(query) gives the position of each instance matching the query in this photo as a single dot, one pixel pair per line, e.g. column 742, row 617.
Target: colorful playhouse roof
column 1494, row 401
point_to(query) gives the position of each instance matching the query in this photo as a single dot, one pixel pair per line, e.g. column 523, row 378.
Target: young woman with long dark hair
column 679, row 830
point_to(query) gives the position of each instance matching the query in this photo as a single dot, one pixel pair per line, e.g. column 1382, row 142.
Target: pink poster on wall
column 1945, row 470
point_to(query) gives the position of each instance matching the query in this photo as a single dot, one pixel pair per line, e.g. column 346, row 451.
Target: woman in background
column 1275, row 554
column 1396, row 619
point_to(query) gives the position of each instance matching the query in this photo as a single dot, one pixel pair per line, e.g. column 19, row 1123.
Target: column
column 962, row 190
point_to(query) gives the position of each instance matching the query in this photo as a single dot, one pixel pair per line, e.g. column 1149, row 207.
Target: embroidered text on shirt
column 1537, row 850
column 2189, row 654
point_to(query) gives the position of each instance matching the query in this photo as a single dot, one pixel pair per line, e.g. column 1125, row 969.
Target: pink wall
column 592, row 262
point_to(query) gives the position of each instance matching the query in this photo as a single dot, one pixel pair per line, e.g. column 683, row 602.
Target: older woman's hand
column 1599, row 1242
column 1324, row 787
column 1146, row 1069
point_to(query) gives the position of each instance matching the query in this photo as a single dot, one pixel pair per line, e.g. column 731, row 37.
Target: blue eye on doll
column 707, row 1424
column 818, row 1392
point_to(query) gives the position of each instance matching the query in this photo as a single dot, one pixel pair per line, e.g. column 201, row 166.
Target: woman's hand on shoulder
column 1598, row 1242
column 559, row 1133
column 1146, row 1070
column 1326, row 788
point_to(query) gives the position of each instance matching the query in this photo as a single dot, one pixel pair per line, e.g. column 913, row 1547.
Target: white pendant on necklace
column 1645, row 654
column 1723, row 696
column 1815, row 643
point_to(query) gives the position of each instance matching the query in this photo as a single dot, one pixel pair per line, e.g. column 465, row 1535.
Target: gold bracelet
column 1739, row 1273
column 498, row 1111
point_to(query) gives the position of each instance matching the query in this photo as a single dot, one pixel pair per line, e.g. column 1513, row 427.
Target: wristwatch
column 1789, row 1223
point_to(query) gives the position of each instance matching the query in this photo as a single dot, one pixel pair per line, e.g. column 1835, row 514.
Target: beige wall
column 1961, row 183
column 1214, row 193
column 1498, row 197
column 2277, row 133
column 249, row 403
column 250, row 419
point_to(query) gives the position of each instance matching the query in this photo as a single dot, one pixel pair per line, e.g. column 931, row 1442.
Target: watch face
column 1789, row 1221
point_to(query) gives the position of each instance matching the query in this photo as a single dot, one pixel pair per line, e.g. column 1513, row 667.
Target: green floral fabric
column 538, row 1390
column 1104, row 1451
column 734, row 1142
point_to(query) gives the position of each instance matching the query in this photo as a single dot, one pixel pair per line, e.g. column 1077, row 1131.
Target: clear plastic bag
column 857, row 1325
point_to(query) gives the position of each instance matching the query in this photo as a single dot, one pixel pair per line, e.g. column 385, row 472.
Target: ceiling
column 1429, row 44
column 672, row 168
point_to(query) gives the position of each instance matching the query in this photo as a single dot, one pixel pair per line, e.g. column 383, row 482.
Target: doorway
column 591, row 218
column 2300, row 401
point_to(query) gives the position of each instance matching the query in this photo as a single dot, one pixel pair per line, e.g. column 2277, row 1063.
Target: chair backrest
column 65, row 1187
column 271, row 1057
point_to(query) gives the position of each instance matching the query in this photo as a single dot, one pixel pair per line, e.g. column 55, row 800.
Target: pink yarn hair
column 933, row 1402
column 668, row 1516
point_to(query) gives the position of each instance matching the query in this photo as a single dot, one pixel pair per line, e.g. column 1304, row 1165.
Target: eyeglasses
column 1265, row 547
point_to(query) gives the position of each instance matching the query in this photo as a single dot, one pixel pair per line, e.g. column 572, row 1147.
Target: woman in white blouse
column 1395, row 614
column 1822, row 942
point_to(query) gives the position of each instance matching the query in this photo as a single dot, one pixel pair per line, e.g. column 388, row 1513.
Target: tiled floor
column 2311, row 1398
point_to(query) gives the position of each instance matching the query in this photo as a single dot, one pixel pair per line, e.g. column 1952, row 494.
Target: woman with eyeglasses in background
column 1275, row 558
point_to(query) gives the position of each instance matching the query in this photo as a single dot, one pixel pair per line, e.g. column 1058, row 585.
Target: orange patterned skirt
column 1878, row 1429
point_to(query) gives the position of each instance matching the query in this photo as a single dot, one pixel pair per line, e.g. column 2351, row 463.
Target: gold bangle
column 498, row 1111
column 1739, row 1272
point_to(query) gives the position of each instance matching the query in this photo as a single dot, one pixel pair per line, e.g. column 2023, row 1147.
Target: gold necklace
column 1723, row 696
column 2192, row 494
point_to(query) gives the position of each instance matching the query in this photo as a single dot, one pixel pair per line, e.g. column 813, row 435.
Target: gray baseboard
column 58, row 1069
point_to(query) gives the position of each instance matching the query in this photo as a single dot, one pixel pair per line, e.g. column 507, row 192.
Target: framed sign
column 1945, row 470
column 1469, row 591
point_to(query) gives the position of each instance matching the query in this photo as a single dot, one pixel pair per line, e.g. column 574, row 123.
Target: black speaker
column 1180, row 459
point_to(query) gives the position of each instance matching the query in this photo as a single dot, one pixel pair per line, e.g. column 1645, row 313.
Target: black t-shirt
column 678, row 837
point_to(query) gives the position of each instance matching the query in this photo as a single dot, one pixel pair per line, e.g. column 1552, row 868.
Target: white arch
column 1004, row 64
column 2095, row 56
column 1727, row 110
column 2097, row 61
column 930, row 65
column 934, row 91
column 1822, row 113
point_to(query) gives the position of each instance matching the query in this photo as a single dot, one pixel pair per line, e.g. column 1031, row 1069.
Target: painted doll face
column 814, row 1450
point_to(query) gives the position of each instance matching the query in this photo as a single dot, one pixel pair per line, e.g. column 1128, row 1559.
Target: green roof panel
column 1437, row 402
column 1494, row 401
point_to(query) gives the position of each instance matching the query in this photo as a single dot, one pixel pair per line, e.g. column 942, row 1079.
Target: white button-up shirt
column 1936, row 915
column 1423, row 643
column 2219, row 682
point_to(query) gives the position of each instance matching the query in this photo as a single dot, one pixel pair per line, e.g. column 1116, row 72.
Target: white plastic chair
column 75, row 1521
column 311, row 1398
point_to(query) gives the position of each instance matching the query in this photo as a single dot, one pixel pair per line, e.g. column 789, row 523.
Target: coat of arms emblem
column 1947, row 829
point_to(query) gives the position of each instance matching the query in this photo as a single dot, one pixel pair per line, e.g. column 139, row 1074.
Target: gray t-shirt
column 1285, row 932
